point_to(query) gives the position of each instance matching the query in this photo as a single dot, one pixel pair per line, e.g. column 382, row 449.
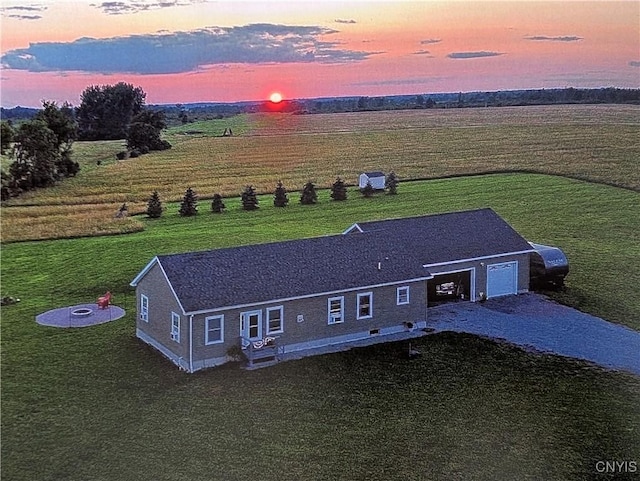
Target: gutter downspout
column 426, row 304
column 426, row 297
column 191, row 343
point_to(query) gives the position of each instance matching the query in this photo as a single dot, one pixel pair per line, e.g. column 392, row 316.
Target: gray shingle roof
column 451, row 236
column 265, row 272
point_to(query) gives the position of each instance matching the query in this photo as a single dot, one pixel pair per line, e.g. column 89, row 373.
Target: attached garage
column 502, row 279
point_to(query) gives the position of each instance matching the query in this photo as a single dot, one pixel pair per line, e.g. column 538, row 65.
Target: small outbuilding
column 377, row 180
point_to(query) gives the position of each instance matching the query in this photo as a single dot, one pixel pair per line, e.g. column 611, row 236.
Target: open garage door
column 450, row 286
column 502, row 279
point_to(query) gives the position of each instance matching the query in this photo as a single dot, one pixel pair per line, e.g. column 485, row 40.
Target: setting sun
column 275, row 97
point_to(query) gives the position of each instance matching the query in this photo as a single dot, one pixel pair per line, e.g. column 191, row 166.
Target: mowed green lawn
column 96, row 404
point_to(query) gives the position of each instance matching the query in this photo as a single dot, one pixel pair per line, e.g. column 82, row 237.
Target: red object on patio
column 103, row 301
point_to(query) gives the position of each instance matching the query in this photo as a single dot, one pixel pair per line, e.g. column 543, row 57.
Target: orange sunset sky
column 182, row 51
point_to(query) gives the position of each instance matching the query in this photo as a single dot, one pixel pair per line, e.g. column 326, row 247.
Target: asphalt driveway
column 534, row 322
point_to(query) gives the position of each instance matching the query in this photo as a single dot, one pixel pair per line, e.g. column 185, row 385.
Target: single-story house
column 377, row 180
column 374, row 280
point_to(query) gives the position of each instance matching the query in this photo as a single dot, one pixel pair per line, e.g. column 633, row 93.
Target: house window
column 214, row 330
column 274, row 320
column 175, row 327
column 336, row 310
column 365, row 305
column 144, row 308
column 402, row 295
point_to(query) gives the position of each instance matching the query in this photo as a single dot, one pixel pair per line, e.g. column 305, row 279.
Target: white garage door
column 502, row 279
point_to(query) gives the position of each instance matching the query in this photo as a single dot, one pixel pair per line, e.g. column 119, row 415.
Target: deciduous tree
column 6, row 136
column 106, row 111
column 62, row 123
column 35, row 156
column 145, row 131
column 42, row 150
column 5, row 185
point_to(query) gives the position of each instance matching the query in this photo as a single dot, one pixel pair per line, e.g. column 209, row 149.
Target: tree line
column 41, row 147
column 501, row 98
column 177, row 114
column 249, row 199
column 184, row 113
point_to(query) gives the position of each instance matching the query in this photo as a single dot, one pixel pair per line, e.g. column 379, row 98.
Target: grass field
column 596, row 142
column 96, row 404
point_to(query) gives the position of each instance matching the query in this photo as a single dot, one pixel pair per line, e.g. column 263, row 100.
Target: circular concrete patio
column 81, row 315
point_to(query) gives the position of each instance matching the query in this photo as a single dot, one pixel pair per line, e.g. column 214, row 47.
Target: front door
column 251, row 325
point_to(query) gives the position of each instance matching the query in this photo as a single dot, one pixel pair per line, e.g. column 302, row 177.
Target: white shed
column 377, row 180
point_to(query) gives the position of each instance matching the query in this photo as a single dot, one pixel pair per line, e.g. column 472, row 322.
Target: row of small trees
column 249, row 198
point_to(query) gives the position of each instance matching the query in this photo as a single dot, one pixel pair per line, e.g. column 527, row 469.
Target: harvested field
column 594, row 142
column 64, row 221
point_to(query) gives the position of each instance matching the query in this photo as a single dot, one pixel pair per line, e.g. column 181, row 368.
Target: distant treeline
column 18, row 113
column 470, row 100
column 184, row 113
